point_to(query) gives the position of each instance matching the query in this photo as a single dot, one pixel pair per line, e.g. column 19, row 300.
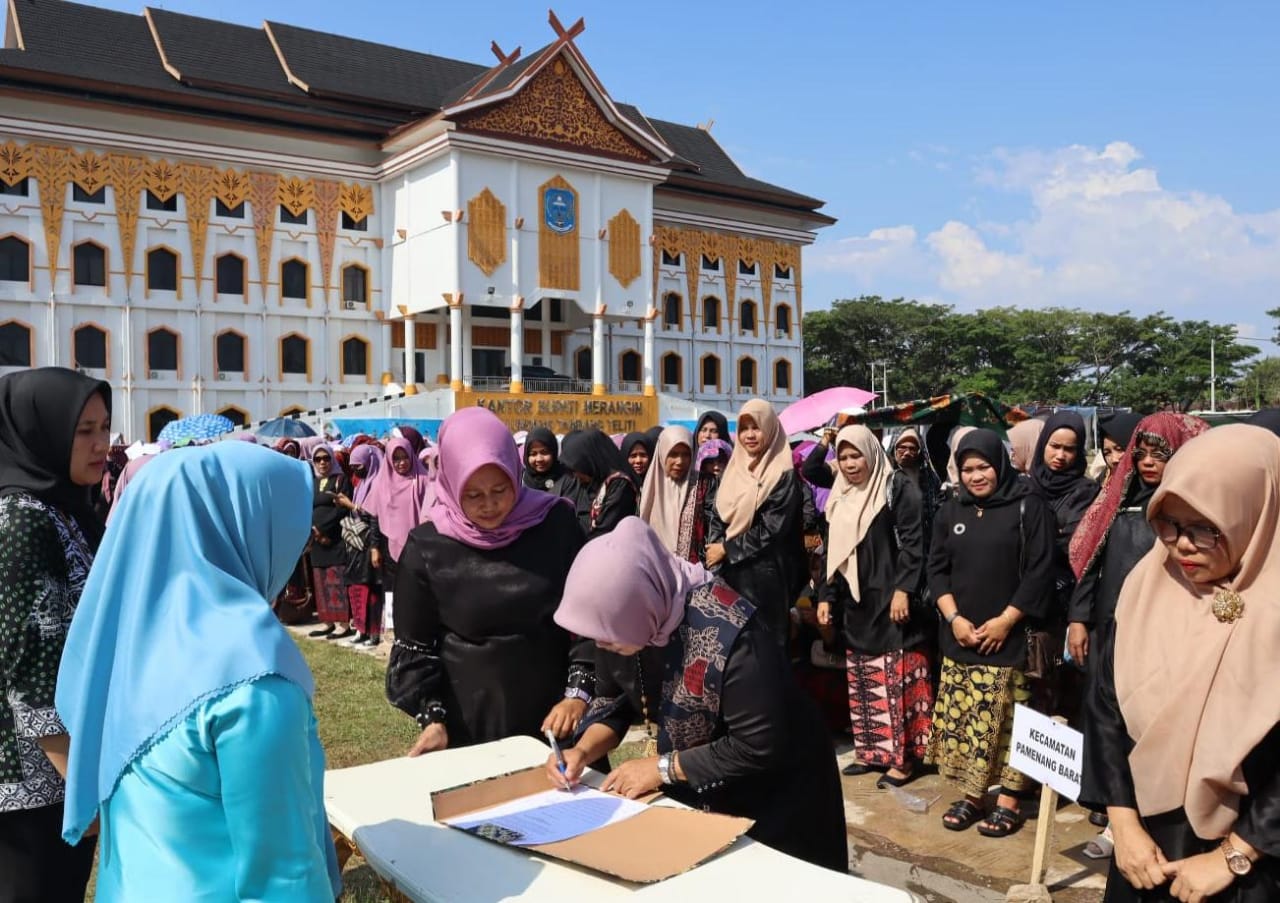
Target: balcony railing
column 559, row 386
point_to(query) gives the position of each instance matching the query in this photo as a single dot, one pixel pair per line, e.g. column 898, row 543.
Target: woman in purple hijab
column 363, row 578
column 477, row 654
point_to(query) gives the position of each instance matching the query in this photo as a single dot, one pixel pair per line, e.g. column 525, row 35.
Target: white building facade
column 259, row 237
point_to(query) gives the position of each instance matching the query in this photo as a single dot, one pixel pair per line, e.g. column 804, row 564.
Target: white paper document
column 548, row 817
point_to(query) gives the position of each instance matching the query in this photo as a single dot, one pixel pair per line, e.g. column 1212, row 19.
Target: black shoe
column 323, row 631
column 342, row 635
column 854, row 769
column 360, row 640
column 886, row 781
column 373, row 641
column 1098, row 819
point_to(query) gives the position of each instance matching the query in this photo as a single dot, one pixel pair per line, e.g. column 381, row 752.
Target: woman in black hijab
column 638, row 449
column 1057, row 473
column 711, row 425
column 542, row 468
column 55, row 432
column 1116, row 430
column 612, row 491
column 990, row 567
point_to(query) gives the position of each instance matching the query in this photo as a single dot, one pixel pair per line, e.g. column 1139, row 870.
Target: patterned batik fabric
column 973, row 726
column 890, row 707
column 44, row 561
column 366, row 608
column 331, row 595
column 695, row 661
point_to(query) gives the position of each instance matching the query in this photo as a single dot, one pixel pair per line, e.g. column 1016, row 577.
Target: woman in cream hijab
column 756, row 535
column 1183, row 729
column 874, row 567
column 667, row 501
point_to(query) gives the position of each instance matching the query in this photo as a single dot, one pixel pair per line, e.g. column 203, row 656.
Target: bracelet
column 664, row 769
column 435, row 714
column 950, row 619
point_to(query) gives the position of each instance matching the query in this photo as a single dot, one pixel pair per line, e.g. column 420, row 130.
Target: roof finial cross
column 504, row 59
column 565, row 35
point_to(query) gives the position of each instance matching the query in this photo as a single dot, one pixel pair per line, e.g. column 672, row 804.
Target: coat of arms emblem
column 558, row 210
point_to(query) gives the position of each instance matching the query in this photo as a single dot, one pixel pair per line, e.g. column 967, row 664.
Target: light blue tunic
column 228, row 806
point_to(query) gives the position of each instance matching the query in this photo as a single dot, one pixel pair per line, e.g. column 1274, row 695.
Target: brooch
column 1227, row 606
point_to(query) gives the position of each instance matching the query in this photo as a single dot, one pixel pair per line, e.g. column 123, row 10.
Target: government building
column 271, row 221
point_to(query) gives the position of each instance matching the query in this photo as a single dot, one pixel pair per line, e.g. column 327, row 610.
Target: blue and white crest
column 558, row 210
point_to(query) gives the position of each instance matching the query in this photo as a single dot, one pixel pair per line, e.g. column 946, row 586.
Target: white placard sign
column 1047, row 751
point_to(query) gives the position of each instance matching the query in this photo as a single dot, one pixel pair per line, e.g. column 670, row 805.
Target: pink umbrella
column 818, row 408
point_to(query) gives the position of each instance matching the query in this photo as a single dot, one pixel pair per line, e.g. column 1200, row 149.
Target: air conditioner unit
column 780, row 334
column 153, row 374
column 350, row 305
column 83, row 371
column 222, row 377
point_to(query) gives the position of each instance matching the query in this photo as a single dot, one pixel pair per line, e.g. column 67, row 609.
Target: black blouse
column 327, row 547
column 890, row 558
column 1130, row 538
column 1107, row 781
column 975, row 556
column 474, row 629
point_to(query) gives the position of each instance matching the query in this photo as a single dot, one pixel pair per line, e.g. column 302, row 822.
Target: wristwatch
column 664, row 769
column 951, row 617
column 1238, row 862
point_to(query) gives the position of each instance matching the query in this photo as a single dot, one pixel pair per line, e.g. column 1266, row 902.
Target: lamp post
column 884, row 381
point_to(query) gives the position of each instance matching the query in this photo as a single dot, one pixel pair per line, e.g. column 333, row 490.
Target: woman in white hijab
column 667, row 501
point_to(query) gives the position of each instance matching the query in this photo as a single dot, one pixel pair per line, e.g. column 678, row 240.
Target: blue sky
column 1119, row 155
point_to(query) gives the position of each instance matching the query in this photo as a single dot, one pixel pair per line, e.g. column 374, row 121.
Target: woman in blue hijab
column 189, row 707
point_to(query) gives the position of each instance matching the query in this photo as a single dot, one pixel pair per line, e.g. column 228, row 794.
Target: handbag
column 355, row 532
column 1044, row 654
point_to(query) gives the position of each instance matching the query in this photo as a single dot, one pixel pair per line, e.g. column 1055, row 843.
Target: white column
column 455, row 346
column 410, row 354
column 597, row 352
column 517, row 346
column 648, row 361
column 468, row 343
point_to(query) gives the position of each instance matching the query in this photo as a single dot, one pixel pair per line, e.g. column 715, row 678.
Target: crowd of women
column 673, row 581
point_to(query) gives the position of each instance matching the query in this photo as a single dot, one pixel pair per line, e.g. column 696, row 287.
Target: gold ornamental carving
column 89, row 171
column 326, row 198
column 486, row 232
column 297, row 195
column 197, row 188
column 262, row 197
column 624, row 248
column 128, row 177
column 15, row 162
column 231, row 187
column 162, row 179
column 558, row 252
column 52, row 169
column 356, row 201
column 555, row 107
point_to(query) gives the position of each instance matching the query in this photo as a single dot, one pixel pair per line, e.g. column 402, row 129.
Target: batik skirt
column 331, row 595
column 973, row 726
column 890, row 707
column 366, row 608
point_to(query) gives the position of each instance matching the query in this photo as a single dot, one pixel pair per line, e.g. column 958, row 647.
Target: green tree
column 1259, row 387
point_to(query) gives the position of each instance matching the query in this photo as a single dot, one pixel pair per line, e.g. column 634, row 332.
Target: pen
column 560, row 763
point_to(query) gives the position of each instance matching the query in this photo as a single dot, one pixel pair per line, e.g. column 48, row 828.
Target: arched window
column 355, row 357
column 15, row 344
column 295, row 354
column 162, row 270
column 162, row 351
column 672, row 371
column 228, row 353
column 158, row 419
column 294, row 279
column 711, row 313
column 89, row 264
column 238, row 416
column 747, row 374
column 230, row 274
column 89, row 343
column 292, row 412
column 782, row 376
column 582, row 363
column 671, row 311
column 630, row 366
column 710, row 373
column 782, row 319
column 355, row 284
column 15, row 259
column 747, row 317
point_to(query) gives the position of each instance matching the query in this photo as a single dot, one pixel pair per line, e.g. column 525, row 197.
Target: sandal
column 961, row 815
column 1002, row 822
column 1101, row 847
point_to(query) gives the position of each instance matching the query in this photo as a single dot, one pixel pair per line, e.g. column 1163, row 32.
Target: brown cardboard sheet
column 656, row 844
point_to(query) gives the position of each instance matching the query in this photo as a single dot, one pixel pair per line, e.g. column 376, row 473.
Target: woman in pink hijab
column 398, row 497
column 691, row 658
column 477, row 656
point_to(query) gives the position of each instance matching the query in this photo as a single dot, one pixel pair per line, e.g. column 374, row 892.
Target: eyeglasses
column 1203, row 536
column 1140, row 453
column 322, row 459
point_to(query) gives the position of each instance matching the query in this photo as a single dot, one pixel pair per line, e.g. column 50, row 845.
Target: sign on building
column 566, row 413
column 1047, row 751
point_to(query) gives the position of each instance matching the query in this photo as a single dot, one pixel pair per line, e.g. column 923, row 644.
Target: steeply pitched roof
column 337, row 66
column 200, row 49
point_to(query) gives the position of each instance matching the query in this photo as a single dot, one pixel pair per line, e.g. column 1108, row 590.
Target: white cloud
column 1102, row 233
